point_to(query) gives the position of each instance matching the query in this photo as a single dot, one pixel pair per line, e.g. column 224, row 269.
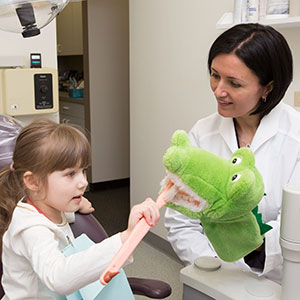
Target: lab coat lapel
column 227, row 132
column 267, row 128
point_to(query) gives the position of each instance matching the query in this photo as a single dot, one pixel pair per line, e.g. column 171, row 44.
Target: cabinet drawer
column 71, row 109
column 70, row 120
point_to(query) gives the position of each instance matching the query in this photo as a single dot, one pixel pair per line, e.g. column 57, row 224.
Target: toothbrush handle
column 137, row 234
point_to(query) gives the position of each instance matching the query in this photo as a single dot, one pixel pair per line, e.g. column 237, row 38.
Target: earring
column 264, row 99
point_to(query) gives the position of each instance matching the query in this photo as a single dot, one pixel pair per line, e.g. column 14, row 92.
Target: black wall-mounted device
column 43, row 91
column 35, row 60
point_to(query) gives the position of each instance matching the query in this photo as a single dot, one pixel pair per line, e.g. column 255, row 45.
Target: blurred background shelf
column 226, row 21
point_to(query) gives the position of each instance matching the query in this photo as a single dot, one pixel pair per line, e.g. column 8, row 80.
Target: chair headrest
column 9, row 130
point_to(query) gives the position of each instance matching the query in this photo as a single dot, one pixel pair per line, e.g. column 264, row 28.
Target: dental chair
column 88, row 224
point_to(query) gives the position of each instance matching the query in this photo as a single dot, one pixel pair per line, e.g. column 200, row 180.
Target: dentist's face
column 235, row 86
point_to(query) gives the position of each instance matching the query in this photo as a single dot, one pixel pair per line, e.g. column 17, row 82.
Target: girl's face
column 63, row 194
column 235, row 86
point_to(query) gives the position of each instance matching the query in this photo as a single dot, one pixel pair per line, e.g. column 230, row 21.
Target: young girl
column 46, row 179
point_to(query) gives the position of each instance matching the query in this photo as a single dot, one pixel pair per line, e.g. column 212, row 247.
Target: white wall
column 292, row 36
column 108, row 52
column 169, row 82
column 13, row 44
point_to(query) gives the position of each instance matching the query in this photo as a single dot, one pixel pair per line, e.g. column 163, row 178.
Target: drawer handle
column 66, row 107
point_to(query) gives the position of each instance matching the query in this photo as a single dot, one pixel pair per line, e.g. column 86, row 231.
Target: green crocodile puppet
column 223, row 194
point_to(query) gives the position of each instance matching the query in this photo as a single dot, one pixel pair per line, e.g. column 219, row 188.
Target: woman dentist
column 250, row 68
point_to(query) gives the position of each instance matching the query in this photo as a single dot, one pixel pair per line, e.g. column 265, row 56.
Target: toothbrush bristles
column 170, row 194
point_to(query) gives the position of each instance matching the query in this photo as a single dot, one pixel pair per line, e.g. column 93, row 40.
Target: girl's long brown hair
column 42, row 147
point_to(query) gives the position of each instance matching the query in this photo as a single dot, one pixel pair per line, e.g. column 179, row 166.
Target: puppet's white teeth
column 188, row 202
column 185, row 197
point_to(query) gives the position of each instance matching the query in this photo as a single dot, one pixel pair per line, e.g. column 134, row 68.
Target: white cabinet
column 69, row 30
column 226, row 21
column 72, row 113
column 106, row 81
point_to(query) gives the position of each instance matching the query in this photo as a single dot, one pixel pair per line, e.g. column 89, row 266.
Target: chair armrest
column 155, row 289
column 88, row 224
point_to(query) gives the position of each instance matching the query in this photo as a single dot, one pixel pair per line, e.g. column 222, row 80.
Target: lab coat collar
column 227, row 132
column 267, row 129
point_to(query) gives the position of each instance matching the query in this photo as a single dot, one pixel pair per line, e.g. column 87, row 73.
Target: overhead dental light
column 28, row 16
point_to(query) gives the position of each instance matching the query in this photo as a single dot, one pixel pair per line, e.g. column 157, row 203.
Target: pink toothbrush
column 137, row 234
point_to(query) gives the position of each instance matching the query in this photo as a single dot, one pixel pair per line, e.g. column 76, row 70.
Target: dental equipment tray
column 227, row 283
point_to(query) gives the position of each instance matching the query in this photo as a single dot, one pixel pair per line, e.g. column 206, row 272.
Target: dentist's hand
column 147, row 209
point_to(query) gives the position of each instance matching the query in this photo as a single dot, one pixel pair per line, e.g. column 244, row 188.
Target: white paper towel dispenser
column 28, row 91
column 290, row 241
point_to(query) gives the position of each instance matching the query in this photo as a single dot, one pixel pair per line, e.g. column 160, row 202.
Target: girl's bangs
column 65, row 149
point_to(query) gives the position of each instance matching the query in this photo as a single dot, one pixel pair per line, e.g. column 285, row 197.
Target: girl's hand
column 85, row 206
column 147, row 209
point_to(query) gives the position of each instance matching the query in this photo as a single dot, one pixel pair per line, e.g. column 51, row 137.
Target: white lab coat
column 276, row 146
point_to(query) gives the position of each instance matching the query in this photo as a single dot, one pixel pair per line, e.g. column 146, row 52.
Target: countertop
column 64, row 96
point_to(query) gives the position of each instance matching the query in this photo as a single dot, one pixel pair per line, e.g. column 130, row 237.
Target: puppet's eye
column 236, row 177
column 236, row 160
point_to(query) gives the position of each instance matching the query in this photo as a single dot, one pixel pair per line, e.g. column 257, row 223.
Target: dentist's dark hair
column 265, row 52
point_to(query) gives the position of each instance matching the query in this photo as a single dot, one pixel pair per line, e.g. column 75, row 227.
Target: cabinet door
column 71, row 113
column 69, row 30
column 77, row 28
column 71, row 109
column 73, row 121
